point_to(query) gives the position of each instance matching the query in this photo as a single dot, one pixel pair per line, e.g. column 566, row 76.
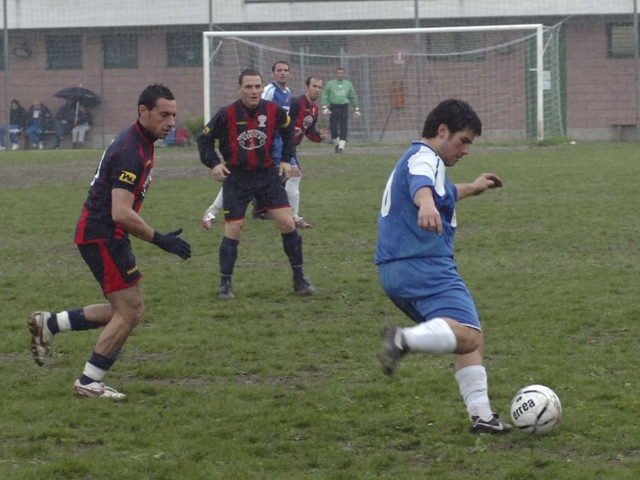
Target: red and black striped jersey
column 128, row 164
column 304, row 116
column 245, row 136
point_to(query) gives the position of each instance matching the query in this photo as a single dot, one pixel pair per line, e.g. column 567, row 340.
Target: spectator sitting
column 18, row 121
column 40, row 121
column 64, row 121
column 84, row 122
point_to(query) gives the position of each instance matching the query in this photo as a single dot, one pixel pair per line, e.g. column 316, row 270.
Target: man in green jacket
column 337, row 95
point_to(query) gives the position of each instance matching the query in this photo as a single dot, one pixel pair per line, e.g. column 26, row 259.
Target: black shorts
column 242, row 186
column 112, row 263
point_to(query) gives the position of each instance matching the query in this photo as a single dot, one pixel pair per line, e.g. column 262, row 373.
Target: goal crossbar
column 538, row 28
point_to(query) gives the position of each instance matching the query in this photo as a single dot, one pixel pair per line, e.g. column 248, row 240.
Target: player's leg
column 343, row 127
column 333, row 126
column 128, row 309
column 275, row 198
column 236, row 199
column 447, row 322
column 212, row 211
column 44, row 325
column 114, row 266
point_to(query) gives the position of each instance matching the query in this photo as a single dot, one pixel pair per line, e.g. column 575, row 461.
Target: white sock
column 293, row 192
column 433, row 336
column 94, row 372
column 336, row 141
column 64, row 325
column 217, row 204
column 474, row 391
column 341, row 144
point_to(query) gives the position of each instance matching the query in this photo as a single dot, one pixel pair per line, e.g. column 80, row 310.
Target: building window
column 456, row 46
column 318, row 50
column 64, row 52
column 620, row 40
column 120, row 51
column 184, row 49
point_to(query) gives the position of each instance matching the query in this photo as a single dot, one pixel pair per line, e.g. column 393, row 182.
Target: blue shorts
column 427, row 288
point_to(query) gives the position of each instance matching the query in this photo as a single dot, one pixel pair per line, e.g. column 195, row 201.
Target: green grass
column 271, row 386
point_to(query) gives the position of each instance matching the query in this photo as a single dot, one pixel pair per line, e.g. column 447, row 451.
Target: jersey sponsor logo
column 252, row 139
column 262, row 121
column 127, row 177
column 307, row 121
column 206, row 130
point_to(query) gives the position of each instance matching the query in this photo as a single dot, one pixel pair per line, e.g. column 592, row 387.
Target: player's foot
column 207, row 220
column 41, row 337
column 300, row 223
column 225, row 292
column 340, row 150
column 493, row 425
column 335, row 150
column 303, row 286
column 97, row 390
column 391, row 352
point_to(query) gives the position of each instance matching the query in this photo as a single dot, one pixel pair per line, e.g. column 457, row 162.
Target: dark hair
column 150, row 95
column 248, row 72
column 455, row 114
column 339, row 68
column 308, row 80
column 16, row 101
column 273, row 68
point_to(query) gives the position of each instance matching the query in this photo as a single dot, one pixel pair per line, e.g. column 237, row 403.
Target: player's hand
column 356, row 114
column 220, row 172
column 429, row 219
column 323, row 133
column 284, row 170
column 485, row 181
column 171, row 243
column 326, row 111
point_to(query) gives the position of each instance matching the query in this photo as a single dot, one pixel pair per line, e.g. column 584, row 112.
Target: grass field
column 272, row 386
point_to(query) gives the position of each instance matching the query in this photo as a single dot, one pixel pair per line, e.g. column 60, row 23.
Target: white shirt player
column 400, row 237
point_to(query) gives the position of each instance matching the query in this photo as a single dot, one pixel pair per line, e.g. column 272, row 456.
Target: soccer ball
column 536, row 410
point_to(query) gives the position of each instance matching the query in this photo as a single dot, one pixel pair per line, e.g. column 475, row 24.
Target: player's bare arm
column 124, row 215
column 428, row 215
column 479, row 185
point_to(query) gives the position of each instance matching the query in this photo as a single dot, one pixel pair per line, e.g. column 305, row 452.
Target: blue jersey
column 274, row 93
column 399, row 235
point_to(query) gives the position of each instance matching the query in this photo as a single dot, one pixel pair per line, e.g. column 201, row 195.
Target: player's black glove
column 171, row 243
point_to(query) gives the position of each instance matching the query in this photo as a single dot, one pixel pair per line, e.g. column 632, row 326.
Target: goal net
column 508, row 73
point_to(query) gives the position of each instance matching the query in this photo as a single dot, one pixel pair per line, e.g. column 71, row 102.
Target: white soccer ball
column 536, row 410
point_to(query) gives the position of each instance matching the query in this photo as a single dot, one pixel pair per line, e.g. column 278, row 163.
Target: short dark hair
column 273, row 68
column 455, row 114
column 150, row 95
column 339, row 68
column 248, row 72
column 308, row 80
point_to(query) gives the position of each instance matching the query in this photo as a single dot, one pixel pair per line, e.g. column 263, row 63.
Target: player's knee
column 286, row 225
column 469, row 340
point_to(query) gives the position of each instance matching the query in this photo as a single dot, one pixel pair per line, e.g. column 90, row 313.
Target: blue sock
column 292, row 243
column 228, row 256
column 100, row 362
column 52, row 324
column 78, row 322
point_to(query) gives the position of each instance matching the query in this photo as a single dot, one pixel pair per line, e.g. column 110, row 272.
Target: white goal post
column 223, row 65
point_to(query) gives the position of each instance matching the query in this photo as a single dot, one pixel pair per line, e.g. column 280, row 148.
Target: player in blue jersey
column 277, row 92
column 414, row 254
column 109, row 216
